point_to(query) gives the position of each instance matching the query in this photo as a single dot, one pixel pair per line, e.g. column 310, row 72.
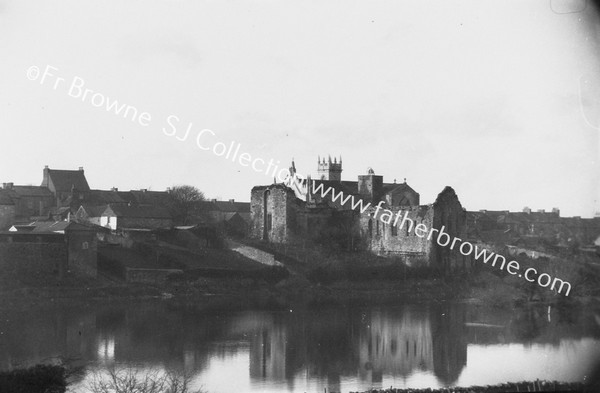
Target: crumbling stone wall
column 33, row 258
column 449, row 213
column 385, row 240
column 272, row 213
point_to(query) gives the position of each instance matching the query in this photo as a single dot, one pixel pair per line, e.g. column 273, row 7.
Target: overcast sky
column 498, row 99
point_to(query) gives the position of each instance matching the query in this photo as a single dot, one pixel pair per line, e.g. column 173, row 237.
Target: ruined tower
column 328, row 170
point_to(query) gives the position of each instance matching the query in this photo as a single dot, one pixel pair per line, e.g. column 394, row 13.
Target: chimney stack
column 81, row 168
column 45, row 179
column 231, row 200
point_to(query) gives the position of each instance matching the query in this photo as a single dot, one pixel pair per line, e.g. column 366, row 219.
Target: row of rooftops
column 74, row 181
column 527, row 216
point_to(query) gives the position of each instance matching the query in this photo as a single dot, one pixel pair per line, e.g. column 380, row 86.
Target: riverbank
column 54, row 379
column 337, row 279
column 533, row 386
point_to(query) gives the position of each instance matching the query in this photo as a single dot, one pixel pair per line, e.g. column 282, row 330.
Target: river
column 342, row 348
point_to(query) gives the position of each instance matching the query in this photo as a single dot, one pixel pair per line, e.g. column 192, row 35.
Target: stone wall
column 33, row 258
column 83, row 253
column 384, row 240
column 7, row 216
column 449, row 213
column 151, row 276
column 271, row 224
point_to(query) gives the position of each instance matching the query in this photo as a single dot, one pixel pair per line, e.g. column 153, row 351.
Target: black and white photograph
column 299, row 196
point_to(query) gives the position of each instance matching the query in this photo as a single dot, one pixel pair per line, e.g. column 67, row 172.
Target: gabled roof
column 27, row 191
column 226, row 206
column 92, row 210
column 5, row 198
column 397, row 187
column 104, row 197
column 43, row 226
column 141, row 197
column 64, row 180
column 143, row 211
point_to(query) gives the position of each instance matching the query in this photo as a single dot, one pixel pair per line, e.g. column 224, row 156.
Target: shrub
column 39, row 378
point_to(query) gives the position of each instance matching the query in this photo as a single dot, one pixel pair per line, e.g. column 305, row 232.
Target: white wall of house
column 109, row 222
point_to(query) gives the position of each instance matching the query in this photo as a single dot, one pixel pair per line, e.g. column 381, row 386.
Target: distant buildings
column 66, row 195
column 533, row 229
column 55, row 228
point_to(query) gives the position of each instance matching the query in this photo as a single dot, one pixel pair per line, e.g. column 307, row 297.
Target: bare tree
column 186, row 199
column 129, row 380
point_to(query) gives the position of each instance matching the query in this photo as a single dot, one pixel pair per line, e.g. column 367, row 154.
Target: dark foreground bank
column 53, row 379
column 535, row 386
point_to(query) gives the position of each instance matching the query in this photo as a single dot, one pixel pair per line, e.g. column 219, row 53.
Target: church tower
column 328, row 170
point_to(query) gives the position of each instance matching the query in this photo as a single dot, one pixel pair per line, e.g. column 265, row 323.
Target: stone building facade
column 293, row 211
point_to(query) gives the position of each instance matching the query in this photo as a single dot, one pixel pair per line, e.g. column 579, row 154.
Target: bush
column 40, row 378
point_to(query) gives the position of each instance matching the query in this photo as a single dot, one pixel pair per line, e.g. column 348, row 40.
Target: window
column 406, row 228
column 377, row 228
column 269, row 221
column 85, row 246
column 394, row 230
column 370, row 227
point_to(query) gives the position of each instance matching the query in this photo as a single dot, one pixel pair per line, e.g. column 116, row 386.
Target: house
column 30, row 202
column 117, row 217
column 7, row 210
column 233, row 216
column 65, row 185
column 90, row 214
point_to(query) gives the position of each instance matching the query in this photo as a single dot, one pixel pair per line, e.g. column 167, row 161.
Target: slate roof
column 65, row 180
column 397, row 187
column 141, row 197
column 93, row 211
column 138, row 211
column 6, row 198
column 27, row 191
column 226, row 206
column 50, row 226
column 104, row 197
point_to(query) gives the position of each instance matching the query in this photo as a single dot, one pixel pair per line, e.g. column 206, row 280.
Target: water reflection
column 341, row 349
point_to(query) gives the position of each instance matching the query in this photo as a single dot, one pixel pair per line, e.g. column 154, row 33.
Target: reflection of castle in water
column 327, row 345
column 395, row 344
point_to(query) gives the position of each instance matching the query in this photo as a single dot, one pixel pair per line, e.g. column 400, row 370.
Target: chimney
column 9, row 186
column 213, row 200
column 168, row 190
column 46, row 177
column 231, row 200
column 81, row 169
column 541, row 211
column 114, row 189
column 144, row 190
column 556, row 210
column 526, row 210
